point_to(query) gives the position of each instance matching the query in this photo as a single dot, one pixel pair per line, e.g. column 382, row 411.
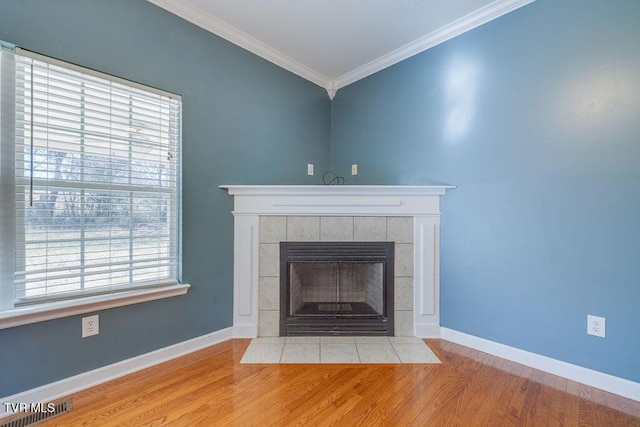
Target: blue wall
column 245, row 121
column 535, row 117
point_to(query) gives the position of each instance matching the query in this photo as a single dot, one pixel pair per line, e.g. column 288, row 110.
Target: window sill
column 55, row 310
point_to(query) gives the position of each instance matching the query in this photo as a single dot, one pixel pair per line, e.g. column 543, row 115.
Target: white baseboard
column 606, row 382
column 67, row 386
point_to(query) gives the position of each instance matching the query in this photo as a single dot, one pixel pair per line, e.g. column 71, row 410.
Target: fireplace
column 265, row 215
column 336, row 288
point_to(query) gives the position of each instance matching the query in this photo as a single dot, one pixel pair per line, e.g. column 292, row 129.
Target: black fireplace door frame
column 367, row 252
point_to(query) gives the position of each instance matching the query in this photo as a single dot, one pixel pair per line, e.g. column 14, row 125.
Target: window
column 90, row 168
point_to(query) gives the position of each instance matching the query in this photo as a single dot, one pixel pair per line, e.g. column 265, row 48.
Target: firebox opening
column 336, row 288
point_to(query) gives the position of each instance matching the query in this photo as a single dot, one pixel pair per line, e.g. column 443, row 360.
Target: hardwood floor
column 469, row 388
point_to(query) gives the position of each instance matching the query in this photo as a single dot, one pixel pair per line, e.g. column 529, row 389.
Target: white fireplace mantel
column 420, row 202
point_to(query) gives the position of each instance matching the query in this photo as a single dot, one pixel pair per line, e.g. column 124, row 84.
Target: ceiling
column 333, row 43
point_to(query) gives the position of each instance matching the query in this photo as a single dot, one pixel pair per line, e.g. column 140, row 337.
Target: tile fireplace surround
column 265, row 215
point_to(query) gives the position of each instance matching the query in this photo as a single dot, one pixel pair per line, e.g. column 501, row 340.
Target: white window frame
column 11, row 315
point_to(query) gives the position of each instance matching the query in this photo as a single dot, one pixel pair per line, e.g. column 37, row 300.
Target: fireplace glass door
column 340, row 290
column 336, row 288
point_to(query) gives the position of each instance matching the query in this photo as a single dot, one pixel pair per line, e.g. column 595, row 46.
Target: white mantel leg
column 245, row 276
column 426, row 276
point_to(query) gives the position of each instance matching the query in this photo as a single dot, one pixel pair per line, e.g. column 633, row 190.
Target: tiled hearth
column 266, row 215
column 338, row 350
column 276, row 229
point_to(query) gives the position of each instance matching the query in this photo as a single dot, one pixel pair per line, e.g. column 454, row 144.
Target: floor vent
column 33, row 418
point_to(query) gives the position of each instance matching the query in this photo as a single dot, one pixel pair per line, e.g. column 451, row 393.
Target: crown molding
column 214, row 25
column 207, row 21
column 331, row 89
column 469, row 22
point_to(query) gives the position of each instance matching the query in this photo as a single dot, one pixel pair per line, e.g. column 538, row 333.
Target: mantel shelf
column 382, row 200
column 337, row 190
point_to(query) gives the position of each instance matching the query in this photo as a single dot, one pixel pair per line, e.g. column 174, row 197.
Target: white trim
column 333, row 190
column 336, row 200
column 55, row 310
column 602, row 381
column 207, row 21
column 245, row 331
column 466, row 23
column 426, row 276
column 424, row 330
column 71, row 385
column 331, row 89
column 246, row 251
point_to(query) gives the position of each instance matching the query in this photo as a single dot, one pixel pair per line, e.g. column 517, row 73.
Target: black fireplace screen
column 336, row 288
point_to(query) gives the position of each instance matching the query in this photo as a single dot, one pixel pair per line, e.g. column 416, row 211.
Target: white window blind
column 97, row 171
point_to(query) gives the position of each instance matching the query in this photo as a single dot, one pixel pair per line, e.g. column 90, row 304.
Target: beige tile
column 273, row 229
column 269, row 259
column 370, row 229
column 337, row 340
column 263, row 353
column 303, row 228
column 268, row 340
column 338, row 350
column 400, row 229
column 269, row 293
column 300, row 353
column 371, row 340
column 403, row 296
column 403, row 265
column 403, row 323
column 268, row 323
column 415, row 353
column 377, row 353
column 339, row 353
column 303, row 340
column 336, row 229
column 405, row 340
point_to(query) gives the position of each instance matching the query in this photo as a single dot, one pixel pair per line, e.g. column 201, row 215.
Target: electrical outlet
column 596, row 325
column 354, row 169
column 90, row 326
column 309, row 168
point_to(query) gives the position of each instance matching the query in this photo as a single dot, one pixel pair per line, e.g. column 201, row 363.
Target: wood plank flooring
column 469, row 388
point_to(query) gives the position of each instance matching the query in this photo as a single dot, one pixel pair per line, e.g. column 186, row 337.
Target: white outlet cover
column 90, row 326
column 309, row 168
column 354, row 169
column 596, row 325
